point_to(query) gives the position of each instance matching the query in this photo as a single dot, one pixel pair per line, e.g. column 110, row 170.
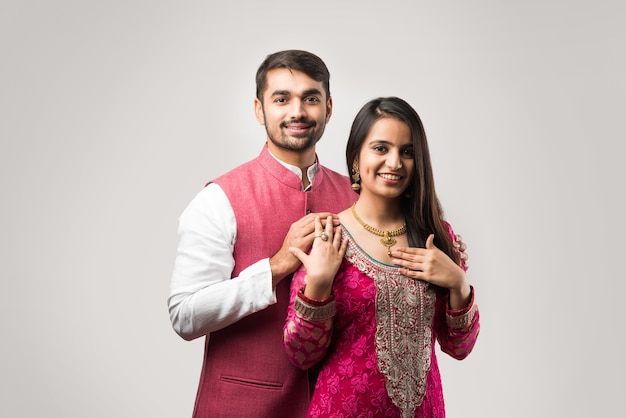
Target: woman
column 374, row 294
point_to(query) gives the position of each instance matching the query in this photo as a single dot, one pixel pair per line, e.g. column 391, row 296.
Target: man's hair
column 295, row 60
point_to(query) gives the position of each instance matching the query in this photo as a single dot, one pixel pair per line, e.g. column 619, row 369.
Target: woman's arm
column 308, row 328
column 457, row 329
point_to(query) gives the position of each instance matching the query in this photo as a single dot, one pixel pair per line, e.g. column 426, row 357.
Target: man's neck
column 301, row 161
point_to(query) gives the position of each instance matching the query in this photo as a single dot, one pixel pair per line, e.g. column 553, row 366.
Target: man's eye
column 312, row 99
column 280, row 100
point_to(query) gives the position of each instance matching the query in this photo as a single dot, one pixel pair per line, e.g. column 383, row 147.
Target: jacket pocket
column 260, row 384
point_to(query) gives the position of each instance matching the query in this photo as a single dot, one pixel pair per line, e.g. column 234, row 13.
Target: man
column 232, row 271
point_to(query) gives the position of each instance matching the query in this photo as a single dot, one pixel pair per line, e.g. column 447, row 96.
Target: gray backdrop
column 115, row 113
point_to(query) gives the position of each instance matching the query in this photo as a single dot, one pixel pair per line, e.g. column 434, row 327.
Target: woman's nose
column 394, row 161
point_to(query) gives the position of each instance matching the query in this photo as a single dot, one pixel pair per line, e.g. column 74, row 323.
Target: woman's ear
column 356, row 177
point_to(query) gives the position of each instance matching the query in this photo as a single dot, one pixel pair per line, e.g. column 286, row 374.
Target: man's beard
column 296, row 142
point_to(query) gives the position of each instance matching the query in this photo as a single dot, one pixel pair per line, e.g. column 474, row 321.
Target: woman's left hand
column 429, row 264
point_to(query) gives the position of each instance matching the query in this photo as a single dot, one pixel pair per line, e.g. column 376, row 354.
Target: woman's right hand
column 323, row 262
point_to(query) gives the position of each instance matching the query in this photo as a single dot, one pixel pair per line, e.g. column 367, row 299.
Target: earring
column 356, row 178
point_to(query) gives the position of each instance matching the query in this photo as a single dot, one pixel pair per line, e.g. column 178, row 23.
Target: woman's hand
column 434, row 266
column 300, row 235
column 323, row 262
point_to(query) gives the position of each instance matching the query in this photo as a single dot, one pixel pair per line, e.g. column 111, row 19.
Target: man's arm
column 203, row 298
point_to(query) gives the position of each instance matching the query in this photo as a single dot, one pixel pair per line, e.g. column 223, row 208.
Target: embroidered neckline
column 364, row 253
column 404, row 315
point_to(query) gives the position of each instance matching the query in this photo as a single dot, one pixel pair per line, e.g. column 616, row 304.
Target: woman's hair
column 419, row 202
column 296, row 60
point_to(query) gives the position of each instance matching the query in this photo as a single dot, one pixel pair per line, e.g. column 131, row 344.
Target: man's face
column 294, row 111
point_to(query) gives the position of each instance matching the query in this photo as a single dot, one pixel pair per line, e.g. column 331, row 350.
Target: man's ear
column 258, row 111
column 329, row 108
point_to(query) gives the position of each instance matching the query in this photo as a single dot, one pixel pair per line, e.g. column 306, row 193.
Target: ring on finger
column 323, row 236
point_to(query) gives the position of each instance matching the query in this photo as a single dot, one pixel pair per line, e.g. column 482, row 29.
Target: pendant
column 388, row 242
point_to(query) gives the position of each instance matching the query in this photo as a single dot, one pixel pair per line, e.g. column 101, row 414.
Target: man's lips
column 297, row 127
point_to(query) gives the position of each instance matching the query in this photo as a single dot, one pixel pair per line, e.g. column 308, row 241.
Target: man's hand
column 300, row 235
column 461, row 247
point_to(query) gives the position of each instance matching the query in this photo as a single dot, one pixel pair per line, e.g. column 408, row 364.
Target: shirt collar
column 311, row 171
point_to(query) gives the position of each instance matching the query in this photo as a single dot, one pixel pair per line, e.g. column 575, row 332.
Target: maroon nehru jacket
column 246, row 372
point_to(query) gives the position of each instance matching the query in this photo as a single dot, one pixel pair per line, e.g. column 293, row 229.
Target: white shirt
column 203, row 298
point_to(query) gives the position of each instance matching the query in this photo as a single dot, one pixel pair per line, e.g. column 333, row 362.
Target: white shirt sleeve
column 203, row 297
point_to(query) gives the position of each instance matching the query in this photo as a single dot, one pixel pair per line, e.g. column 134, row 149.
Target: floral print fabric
column 378, row 349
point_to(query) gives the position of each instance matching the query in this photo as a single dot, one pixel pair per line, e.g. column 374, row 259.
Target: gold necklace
column 386, row 239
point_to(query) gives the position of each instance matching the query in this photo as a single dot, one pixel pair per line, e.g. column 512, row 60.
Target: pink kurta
column 379, row 345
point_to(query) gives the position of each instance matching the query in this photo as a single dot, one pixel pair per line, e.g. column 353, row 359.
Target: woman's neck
column 380, row 213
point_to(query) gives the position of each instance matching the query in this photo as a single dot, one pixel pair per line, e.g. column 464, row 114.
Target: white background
column 113, row 115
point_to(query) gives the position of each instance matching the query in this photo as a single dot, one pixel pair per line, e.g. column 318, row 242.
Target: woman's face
column 386, row 162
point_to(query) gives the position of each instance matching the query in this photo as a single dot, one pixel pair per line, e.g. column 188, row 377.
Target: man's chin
column 297, row 143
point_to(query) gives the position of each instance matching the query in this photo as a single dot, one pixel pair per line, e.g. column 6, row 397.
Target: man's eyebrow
column 281, row 93
column 311, row 92
column 304, row 93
